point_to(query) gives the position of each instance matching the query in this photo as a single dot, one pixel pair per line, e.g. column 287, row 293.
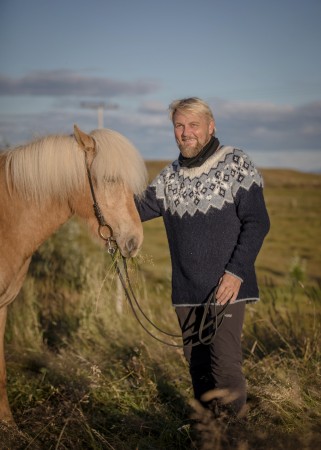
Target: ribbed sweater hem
column 192, row 305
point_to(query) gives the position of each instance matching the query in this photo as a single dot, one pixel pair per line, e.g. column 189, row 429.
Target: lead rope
column 131, row 298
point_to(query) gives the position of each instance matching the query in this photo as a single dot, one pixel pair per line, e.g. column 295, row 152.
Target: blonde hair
column 191, row 104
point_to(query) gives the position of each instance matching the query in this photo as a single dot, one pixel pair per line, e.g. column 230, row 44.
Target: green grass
column 83, row 375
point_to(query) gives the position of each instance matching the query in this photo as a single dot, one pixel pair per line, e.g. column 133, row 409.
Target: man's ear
column 211, row 127
column 85, row 141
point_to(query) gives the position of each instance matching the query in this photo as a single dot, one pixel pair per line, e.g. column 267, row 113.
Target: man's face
column 192, row 131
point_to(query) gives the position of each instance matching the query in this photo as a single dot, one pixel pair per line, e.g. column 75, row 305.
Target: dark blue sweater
column 215, row 219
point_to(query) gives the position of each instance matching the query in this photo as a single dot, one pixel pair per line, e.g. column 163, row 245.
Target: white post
column 100, row 111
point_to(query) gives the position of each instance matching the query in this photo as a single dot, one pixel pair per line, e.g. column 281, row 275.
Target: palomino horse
column 45, row 183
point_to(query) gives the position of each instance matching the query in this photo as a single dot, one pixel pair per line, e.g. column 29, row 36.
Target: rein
column 112, row 249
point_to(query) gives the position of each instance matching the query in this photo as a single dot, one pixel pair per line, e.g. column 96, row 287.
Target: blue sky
column 256, row 62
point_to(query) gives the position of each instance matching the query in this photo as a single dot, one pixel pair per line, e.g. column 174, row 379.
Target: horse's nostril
column 131, row 245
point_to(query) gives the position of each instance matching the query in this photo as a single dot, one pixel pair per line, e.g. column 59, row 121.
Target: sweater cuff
column 234, row 275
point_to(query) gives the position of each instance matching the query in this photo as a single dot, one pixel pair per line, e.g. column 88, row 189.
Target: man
column 211, row 201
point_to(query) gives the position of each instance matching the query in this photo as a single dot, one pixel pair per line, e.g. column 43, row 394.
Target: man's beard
column 190, row 151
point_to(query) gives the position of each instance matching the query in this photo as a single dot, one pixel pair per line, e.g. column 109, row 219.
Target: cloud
column 269, row 126
column 70, row 83
column 153, row 107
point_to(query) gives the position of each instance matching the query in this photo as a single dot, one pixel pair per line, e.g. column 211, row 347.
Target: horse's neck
column 24, row 226
column 23, row 229
column 34, row 225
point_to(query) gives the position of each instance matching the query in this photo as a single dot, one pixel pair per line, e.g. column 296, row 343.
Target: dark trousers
column 219, row 364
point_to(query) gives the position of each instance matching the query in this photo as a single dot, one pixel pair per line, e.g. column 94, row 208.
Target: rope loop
column 215, row 323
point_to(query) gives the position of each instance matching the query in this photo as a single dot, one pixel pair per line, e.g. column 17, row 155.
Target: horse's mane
column 54, row 166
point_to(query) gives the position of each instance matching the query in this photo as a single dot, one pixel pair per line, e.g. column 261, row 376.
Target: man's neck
column 207, row 151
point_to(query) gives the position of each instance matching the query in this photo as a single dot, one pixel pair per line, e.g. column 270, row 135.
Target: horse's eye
column 110, row 180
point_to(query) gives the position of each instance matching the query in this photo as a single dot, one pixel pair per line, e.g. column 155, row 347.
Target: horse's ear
column 84, row 140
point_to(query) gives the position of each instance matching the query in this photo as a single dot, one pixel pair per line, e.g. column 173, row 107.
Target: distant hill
column 272, row 177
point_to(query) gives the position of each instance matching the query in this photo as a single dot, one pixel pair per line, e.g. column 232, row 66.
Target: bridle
column 110, row 241
column 112, row 249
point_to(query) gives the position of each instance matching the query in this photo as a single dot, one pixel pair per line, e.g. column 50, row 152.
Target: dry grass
column 82, row 374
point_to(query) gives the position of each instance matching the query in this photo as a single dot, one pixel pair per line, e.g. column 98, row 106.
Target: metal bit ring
column 102, row 235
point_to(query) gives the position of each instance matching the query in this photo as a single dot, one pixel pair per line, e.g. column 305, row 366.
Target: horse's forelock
column 118, row 159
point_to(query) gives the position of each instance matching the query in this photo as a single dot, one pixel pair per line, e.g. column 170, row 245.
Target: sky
column 257, row 63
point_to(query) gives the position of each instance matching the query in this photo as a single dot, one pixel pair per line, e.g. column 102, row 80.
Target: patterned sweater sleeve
column 150, row 205
column 255, row 224
column 147, row 206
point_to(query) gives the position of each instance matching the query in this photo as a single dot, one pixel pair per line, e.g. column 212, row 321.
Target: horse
column 46, row 182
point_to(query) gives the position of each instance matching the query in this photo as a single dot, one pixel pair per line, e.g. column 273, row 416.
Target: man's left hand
column 229, row 287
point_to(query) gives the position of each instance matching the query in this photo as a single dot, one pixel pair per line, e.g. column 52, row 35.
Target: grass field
column 83, row 375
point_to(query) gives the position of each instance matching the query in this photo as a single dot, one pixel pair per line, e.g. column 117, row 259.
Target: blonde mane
column 54, row 166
